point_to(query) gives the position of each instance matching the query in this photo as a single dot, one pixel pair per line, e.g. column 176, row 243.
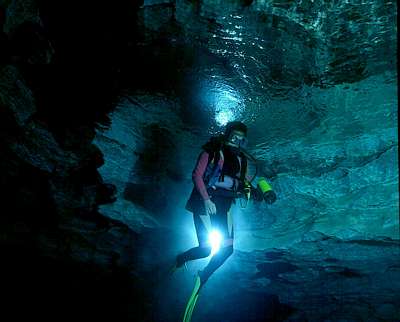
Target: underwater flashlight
column 215, row 239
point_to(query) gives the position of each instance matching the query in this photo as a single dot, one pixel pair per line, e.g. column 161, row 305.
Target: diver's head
column 235, row 135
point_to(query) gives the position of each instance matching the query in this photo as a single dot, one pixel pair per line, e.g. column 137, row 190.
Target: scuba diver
column 219, row 177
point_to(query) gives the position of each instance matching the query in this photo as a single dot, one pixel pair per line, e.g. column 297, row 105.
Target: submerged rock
column 103, row 112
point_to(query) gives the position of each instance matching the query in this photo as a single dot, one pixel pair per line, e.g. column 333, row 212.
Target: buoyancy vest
column 213, row 173
column 215, row 165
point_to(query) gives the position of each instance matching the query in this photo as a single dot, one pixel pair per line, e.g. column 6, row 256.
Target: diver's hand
column 210, row 207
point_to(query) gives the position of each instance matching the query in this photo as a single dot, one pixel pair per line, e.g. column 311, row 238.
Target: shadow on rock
column 272, row 270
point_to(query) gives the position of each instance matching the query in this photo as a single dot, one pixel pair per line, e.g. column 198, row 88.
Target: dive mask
column 237, row 140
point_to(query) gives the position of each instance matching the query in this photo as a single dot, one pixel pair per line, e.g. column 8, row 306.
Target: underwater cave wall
column 315, row 81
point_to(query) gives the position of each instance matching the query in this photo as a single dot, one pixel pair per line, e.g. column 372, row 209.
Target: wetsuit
column 221, row 220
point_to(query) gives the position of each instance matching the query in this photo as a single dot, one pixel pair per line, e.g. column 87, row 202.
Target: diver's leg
column 203, row 226
column 216, row 261
column 225, row 224
column 192, row 254
column 204, row 249
column 219, row 221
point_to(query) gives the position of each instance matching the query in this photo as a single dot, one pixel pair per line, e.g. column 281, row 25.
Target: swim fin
column 189, row 315
column 192, row 300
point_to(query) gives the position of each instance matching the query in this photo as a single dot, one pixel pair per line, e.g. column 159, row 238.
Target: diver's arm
column 198, row 181
column 197, row 175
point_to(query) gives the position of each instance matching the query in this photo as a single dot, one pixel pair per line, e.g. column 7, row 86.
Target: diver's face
column 237, row 139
